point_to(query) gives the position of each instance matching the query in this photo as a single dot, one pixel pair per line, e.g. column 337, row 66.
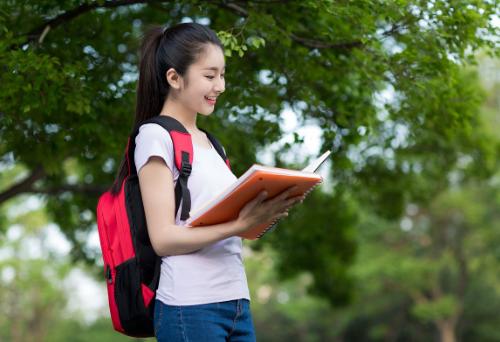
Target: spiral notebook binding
column 272, row 225
column 275, row 222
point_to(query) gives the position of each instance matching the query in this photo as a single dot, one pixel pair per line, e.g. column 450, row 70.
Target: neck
column 179, row 112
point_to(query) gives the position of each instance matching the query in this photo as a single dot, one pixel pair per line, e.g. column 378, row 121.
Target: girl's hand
column 260, row 210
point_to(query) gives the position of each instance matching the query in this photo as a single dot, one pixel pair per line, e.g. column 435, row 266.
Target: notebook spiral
column 274, row 223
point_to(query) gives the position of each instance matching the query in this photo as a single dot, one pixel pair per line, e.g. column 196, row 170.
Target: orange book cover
column 227, row 205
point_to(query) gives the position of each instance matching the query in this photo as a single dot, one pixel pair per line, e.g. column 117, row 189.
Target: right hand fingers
column 279, row 202
column 261, row 196
column 281, row 208
column 284, row 194
column 287, row 204
column 294, row 200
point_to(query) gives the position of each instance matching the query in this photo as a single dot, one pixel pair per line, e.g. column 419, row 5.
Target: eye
column 222, row 75
column 209, row 77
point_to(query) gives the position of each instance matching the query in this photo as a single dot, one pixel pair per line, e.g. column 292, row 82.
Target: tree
column 434, row 272
column 70, row 69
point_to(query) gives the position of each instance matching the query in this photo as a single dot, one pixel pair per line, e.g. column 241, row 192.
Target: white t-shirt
column 216, row 272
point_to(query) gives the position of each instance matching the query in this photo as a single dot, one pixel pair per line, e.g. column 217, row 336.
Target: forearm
column 183, row 240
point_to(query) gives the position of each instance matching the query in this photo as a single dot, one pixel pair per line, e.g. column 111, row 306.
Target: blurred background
column 400, row 243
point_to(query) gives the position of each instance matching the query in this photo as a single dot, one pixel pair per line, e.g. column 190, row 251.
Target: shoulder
column 153, row 140
column 152, row 131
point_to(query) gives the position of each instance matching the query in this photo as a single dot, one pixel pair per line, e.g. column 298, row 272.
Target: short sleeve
column 154, row 140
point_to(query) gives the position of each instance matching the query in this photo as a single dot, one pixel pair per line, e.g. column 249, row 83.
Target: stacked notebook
column 227, row 205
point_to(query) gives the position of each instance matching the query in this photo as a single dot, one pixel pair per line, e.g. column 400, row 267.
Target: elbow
column 163, row 248
column 159, row 250
column 161, row 243
column 172, row 241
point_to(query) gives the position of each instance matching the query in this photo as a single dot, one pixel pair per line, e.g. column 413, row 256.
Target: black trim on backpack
column 181, row 189
column 216, row 144
column 135, row 318
column 140, row 237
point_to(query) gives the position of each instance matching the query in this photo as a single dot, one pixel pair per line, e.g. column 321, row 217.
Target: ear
column 173, row 78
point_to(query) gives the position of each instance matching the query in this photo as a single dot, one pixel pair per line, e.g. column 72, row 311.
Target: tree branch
column 94, row 190
column 318, row 44
column 24, row 185
column 307, row 42
column 38, row 34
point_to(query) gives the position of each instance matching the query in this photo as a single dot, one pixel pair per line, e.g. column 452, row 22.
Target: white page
column 312, row 167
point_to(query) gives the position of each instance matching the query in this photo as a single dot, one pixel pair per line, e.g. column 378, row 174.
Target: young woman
column 203, row 293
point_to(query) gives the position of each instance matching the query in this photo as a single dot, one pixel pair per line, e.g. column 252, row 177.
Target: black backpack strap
column 218, row 147
column 183, row 158
column 181, row 189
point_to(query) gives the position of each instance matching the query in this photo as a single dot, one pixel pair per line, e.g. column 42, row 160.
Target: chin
column 206, row 112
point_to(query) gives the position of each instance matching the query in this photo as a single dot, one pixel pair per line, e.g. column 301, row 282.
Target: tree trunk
column 447, row 330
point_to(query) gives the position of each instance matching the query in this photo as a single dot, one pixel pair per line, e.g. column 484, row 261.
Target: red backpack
column 131, row 267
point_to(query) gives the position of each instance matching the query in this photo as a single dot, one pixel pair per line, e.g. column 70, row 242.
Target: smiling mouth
column 211, row 100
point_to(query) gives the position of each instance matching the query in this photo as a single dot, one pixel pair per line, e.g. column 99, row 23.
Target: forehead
column 212, row 58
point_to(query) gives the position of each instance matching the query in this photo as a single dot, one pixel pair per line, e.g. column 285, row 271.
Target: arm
column 158, row 197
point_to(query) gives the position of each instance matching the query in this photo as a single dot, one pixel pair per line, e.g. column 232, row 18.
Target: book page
column 312, row 167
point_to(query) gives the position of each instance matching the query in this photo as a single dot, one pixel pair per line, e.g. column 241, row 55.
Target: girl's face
column 205, row 81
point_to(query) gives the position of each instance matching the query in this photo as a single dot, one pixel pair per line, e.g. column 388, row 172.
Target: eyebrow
column 214, row 68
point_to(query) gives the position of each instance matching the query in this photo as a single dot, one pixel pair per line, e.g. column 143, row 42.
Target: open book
column 227, row 205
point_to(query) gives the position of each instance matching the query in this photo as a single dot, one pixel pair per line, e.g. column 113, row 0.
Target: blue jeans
column 215, row 322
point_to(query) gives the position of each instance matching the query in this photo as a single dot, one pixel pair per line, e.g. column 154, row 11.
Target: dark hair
column 161, row 49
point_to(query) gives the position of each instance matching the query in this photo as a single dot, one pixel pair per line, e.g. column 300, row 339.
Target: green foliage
column 30, row 285
column 100, row 330
column 68, row 91
column 439, row 268
column 318, row 237
column 438, row 309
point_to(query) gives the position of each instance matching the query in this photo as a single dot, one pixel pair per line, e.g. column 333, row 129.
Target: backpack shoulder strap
column 183, row 146
column 183, row 157
column 218, row 147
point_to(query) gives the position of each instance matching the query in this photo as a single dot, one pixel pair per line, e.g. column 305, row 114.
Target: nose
column 220, row 85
